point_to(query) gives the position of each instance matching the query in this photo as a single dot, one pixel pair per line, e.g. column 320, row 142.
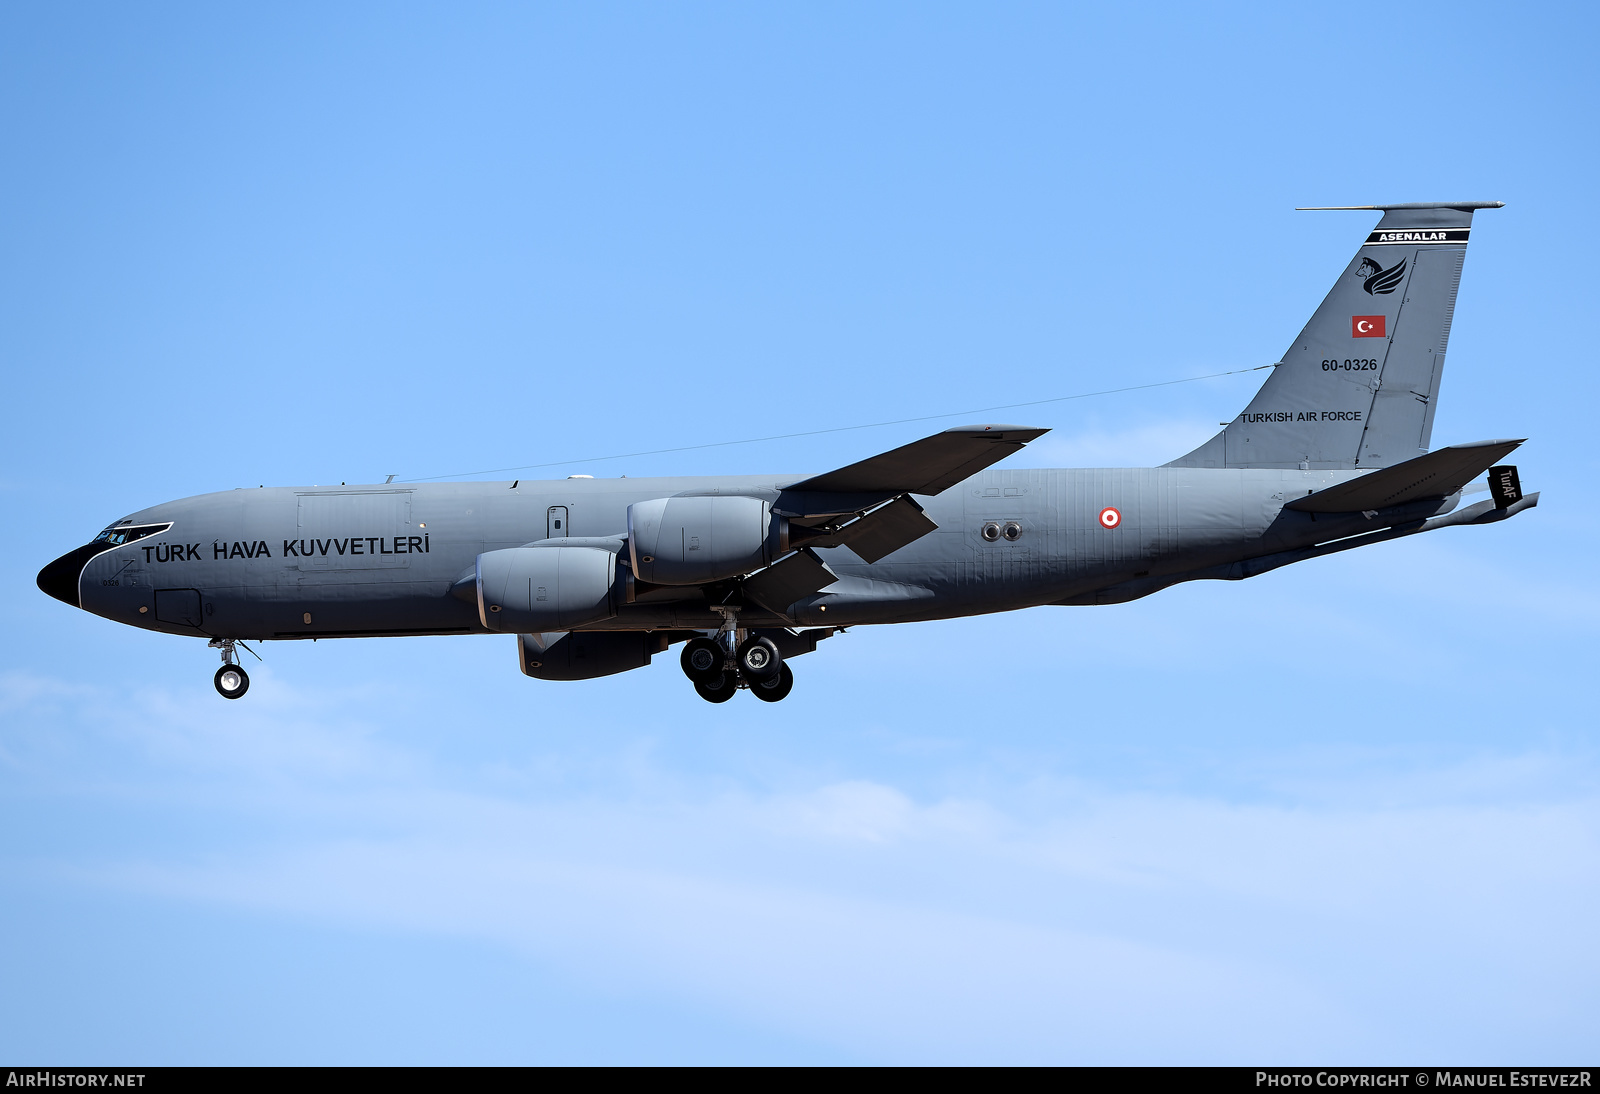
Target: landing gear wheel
column 232, row 682
column 702, row 660
column 720, row 688
column 776, row 688
column 758, row 660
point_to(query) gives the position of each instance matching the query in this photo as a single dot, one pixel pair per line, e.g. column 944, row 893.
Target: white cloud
column 1034, row 920
column 890, row 978
column 24, row 689
column 852, row 811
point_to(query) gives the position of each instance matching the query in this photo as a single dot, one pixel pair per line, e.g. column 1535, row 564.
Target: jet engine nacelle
column 692, row 541
column 525, row 589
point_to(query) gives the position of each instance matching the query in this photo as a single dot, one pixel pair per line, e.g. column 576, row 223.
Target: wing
column 867, row 506
column 929, row 466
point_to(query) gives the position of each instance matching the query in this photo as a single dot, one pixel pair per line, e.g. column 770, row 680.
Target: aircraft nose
column 60, row 578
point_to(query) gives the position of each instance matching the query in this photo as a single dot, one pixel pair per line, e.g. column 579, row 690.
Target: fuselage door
column 558, row 523
column 180, row 607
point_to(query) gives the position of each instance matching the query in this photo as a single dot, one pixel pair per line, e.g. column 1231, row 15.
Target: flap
column 881, row 531
column 1435, row 475
column 787, row 580
column 928, row 466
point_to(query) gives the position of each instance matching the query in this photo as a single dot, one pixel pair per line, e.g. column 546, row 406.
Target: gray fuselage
column 323, row 562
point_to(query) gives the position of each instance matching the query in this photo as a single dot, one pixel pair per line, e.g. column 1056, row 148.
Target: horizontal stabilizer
column 882, row 531
column 1435, row 475
column 788, row 579
column 928, row 466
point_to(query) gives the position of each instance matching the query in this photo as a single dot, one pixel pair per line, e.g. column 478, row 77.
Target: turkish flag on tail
column 1367, row 326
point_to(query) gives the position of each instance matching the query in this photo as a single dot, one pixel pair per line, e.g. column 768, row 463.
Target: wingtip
column 1512, row 441
column 1022, row 433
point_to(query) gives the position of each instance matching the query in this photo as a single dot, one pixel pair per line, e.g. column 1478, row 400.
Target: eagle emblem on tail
column 1379, row 281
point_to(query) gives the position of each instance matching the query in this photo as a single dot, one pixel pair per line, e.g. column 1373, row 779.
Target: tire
column 706, row 651
column 719, row 690
column 758, row 660
column 231, row 682
column 775, row 689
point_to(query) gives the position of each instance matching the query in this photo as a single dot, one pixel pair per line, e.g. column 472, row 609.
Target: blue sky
column 1342, row 812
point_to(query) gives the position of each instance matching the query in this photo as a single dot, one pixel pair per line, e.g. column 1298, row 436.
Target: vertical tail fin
column 1359, row 386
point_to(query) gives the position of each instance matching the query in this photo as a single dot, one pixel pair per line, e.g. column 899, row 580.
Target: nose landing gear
column 231, row 680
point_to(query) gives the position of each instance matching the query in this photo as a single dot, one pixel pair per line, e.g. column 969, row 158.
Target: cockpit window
column 118, row 534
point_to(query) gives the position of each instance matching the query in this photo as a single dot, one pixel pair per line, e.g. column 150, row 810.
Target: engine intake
column 530, row 589
column 692, row 541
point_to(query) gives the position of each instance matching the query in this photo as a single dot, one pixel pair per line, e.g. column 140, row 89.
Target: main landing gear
column 231, row 679
column 720, row 665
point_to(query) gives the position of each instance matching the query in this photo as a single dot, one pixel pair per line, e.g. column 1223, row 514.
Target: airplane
column 596, row 576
